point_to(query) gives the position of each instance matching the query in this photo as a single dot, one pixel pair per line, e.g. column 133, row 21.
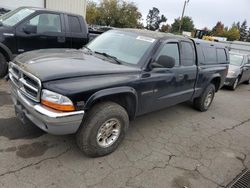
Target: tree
column 248, row 38
column 130, row 16
column 243, row 31
column 188, row 24
column 154, row 19
column 166, row 28
column 218, row 29
column 114, row 13
column 232, row 34
column 237, row 25
column 92, row 13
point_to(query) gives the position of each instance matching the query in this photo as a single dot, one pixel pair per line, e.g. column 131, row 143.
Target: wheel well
column 5, row 54
column 126, row 100
column 216, row 81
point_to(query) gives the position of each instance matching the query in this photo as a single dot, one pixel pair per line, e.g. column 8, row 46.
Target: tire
column 97, row 120
column 247, row 82
column 235, row 84
column 203, row 102
column 3, row 66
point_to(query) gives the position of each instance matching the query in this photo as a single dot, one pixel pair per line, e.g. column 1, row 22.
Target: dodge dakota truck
column 124, row 73
column 29, row 28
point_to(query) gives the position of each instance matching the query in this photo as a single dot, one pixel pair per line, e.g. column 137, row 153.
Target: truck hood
column 56, row 64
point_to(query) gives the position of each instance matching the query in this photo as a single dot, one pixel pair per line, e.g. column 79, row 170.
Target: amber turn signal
column 64, row 108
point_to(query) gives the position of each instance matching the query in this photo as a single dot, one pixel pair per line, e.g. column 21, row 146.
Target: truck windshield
column 125, row 47
column 15, row 16
column 236, row 59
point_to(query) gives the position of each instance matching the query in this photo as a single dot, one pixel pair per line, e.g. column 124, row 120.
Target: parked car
column 239, row 70
column 27, row 28
column 3, row 11
column 96, row 91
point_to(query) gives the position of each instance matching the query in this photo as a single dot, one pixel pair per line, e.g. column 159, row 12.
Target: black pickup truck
column 27, row 28
column 94, row 92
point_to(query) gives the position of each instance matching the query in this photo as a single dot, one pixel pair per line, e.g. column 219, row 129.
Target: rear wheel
column 3, row 66
column 103, row 129
column 205, row 100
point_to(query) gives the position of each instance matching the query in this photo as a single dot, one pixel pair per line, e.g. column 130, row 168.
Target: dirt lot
column 176, row 147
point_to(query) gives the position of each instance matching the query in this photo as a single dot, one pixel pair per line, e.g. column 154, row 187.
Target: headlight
column 231, row 73
column 56, row 101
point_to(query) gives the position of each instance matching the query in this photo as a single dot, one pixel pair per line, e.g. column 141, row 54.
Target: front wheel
column 235, row 84
column 103, row 129
column 247, row 82
column 205, row 100
column 3, row 66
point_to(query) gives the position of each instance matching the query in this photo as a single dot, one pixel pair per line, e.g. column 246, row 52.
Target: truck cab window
column 187, row 55
column 210, row 55
column 171, row 50
column 74, row 24
column 221, row 56
column 46, row 23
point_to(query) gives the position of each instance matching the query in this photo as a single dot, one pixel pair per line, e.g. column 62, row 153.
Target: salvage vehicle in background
column 96, row 91
column 27, row 28
column 239, row 70
column 3, row 11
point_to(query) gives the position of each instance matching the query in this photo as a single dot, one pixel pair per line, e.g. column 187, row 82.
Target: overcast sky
column 203, row 12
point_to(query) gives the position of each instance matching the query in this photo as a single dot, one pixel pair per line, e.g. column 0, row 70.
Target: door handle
column 43, row 37
column 61, row 39
column 180, row 76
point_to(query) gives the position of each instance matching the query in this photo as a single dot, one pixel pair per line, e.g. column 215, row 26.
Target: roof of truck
column 46, row 9
column 162, row 35
column 152, row 34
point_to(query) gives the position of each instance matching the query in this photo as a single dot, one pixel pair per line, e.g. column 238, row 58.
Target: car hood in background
column 234, row 68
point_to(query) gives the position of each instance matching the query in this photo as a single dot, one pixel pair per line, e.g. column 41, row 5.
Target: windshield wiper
column 109, row 56
column 87, row 48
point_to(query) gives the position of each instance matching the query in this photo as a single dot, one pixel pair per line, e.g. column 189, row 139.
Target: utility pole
column 183, row 11
column 45, row 3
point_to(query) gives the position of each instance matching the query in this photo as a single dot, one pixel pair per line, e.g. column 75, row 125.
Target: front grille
column 28, row 85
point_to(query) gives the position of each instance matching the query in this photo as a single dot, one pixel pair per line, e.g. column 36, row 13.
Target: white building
column 72, row 6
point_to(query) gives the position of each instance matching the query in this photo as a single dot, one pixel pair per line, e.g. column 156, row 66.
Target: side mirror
column 164, row 62
column 28, row 29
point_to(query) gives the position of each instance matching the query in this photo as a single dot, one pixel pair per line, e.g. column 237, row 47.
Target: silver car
column 239, row 70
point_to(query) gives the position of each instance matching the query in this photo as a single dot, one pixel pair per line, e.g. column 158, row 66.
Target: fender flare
column 7, row 52
column 216, row 75
column 112, row 91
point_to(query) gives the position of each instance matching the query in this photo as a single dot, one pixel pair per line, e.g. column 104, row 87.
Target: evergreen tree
column 243, row 31
column 154, row 19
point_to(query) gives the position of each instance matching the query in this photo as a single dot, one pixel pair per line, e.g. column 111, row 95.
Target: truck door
column 175, row 85
column 187, row 70
column 167, row 83
column 44, row 30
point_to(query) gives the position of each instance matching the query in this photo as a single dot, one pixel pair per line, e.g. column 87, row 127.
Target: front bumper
column 229, row 81
column 51, row 121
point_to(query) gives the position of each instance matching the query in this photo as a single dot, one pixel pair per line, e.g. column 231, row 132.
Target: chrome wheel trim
column 209, row 98
column 108, row 133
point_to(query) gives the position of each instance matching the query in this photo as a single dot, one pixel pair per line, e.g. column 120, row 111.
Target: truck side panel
column 211, row 68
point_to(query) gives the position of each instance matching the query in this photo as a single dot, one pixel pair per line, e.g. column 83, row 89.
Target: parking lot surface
column 176, row 147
